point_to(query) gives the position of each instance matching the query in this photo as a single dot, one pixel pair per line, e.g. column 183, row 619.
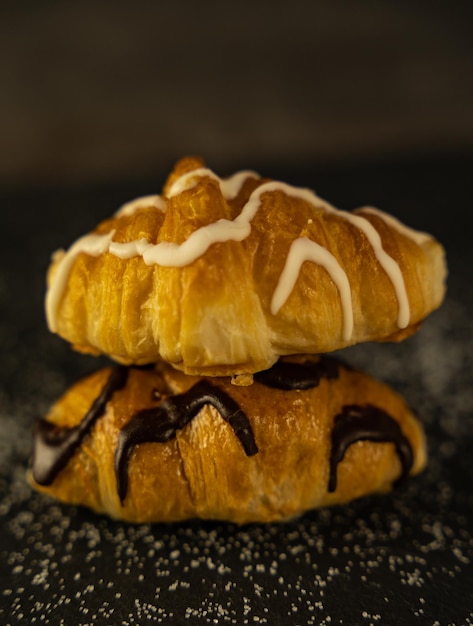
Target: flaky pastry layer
column 156, row 445
column 222, row 276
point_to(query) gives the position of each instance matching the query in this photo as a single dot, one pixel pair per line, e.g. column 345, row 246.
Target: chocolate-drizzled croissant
column 149, row 445
column 222, row 276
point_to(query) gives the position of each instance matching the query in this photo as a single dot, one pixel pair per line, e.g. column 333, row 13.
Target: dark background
column 100, row 91
column 368, row 103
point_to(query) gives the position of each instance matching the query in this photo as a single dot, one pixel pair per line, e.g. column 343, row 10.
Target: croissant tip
column 183, row 166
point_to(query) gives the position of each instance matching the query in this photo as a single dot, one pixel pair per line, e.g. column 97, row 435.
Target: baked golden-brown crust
column 221, row 277
column 204, row 470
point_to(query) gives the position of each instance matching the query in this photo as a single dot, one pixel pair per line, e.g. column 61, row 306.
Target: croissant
column 222, row 276
column 157, row 445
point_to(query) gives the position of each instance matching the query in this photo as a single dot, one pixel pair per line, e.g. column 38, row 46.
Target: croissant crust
column 222, row 276
column 208, row 467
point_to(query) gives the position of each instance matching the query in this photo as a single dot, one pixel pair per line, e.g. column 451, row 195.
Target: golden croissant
column 222, row 276
column 154, row 444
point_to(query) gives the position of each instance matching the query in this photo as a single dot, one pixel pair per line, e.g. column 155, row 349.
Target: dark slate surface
column 404, row 558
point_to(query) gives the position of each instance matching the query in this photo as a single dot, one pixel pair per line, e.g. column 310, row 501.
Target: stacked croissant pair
column 217, row 301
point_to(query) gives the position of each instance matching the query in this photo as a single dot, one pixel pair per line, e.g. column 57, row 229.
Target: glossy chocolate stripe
column 55, row 445
column 160, row 424
column 367, row 423
column 289, row 376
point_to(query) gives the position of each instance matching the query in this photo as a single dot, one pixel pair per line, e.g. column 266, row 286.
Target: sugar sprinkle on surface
column 59, row 560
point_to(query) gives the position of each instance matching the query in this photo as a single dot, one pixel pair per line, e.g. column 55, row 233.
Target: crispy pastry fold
column 156, row 445
column 222, row 276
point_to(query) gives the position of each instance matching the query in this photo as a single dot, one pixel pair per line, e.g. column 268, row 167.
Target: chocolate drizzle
column 55, row 445
column 289, row 376
column 161, row 423
column 367, row 423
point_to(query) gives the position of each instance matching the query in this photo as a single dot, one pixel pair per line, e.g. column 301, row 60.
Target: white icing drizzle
column 417, row 236
column 254, row 202
column 389, row 265
column 230, row 187
column 304, row 249
column 141, row 203
column 130, row 249
column 171, row 254
column 179, row 255
column 93, row 244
